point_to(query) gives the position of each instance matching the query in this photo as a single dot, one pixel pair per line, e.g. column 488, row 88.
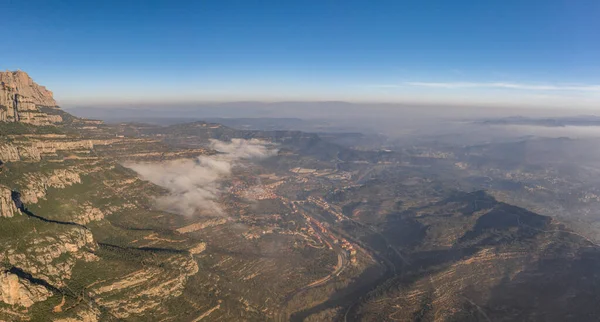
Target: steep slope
column 81, row 237
column 478, row 259
column 21, row 99
column 318, row 231
column 56, row 190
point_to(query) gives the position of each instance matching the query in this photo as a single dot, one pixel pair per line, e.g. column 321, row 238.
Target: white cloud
column 194, row 185
column 501, row 85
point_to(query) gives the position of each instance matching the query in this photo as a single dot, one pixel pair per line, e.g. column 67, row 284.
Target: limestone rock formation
column 88, row 214
column 21, row 97
column 89, row 315
column 38, row 183
column 52, row 257
column 7, row 206
column 145, row 289
column 9, row 152
column 25, row 86
column 16, row 291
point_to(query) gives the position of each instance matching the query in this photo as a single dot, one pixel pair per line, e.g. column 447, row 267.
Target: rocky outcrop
column 88, row 213
column 8, row 153
column 201, row 225
column 22, row 84
column 87, row 315
column 11, row 153
column 29, row 153
column 51, row 258
column 20, row 98
column 146, row 289
column 50, row 147
column 201, row 247
column 7, row 205
column 38, row 183
column 17, row 291
column 34, row 147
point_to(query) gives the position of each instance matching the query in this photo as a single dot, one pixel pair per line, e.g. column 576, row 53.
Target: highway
column 342, row 263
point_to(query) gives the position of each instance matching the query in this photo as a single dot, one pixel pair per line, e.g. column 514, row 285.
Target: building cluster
column 313, row 236
column 257, row 192
column 348, row 247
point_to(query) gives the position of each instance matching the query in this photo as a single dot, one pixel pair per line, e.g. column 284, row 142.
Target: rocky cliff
column 61, row 186
column 7, row 205
column 16, row 291
column 21, row 97
column 25, row 86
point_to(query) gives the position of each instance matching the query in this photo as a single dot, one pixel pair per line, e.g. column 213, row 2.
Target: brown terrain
column 315, row 231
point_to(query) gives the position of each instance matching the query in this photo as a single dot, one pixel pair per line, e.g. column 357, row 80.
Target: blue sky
column 534, row 53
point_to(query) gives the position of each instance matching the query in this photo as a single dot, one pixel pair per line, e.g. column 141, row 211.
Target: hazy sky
column 511, row 52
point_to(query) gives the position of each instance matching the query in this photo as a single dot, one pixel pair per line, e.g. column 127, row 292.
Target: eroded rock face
column 52, row 258
column 20, row 97
column 29, row 153
column 202, row 225
column 38, row 183
column 17, row 291
column 88, row 214
column 24, row 85
column 7, row 205
column 198, row 249
column 50, row 147
column 145, row 289
column 9, row 153
column 89, row 315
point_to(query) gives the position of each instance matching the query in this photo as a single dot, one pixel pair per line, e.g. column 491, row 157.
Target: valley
column 200, row 221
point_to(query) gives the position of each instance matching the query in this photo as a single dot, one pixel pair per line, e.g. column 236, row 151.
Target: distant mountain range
column 328, row 227
column 584, row 120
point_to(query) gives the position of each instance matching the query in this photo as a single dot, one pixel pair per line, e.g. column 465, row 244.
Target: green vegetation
column 17, row 128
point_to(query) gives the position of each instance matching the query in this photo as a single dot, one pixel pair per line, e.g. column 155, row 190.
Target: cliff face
column 7, row 205
column 21, row 97
column 15, row 291
column 25, row 86
column 56, row 180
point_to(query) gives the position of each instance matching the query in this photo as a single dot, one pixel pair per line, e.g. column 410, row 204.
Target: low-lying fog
column 549, row 158
column 194, row 185
column 392, row 125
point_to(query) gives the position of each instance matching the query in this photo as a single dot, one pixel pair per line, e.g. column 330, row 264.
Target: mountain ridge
column 318, row 231
column 21, row 99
